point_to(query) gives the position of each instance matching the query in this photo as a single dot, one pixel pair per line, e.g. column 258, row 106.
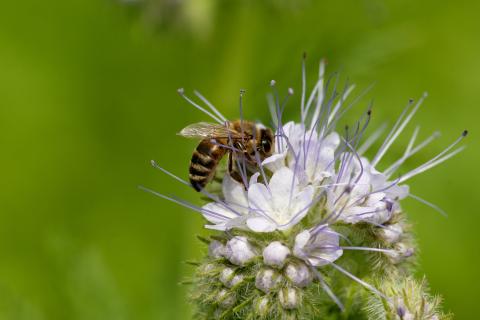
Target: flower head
column 284, row 221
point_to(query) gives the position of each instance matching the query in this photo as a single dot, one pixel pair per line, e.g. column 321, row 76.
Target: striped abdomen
column 204, row 162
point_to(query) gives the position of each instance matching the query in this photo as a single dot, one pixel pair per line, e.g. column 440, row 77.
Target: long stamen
column 210, row 105
column 185, row 204
column 431, row 205
column 203, row 191
column 257, row 159
column 320, row 91
column 304, row 88
column 339, row 104
column 397, row 132
column 372, row 139
column 349, row 106
column 368, row 249
column 326, row 288
column 363, row 283
column 181, row 92
column 406, row 154
column 441, row 157
column 389, row 171
column 272, row 109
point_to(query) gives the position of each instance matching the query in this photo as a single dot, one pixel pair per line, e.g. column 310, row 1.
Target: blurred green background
column 88, row 97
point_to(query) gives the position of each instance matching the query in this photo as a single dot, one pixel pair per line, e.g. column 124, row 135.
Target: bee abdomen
column 204, row 161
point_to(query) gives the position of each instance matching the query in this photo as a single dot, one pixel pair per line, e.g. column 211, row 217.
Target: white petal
column 254, row 178
column 281, row 185
column 332, row 140
column 260, row 224
column 259, row 198
column 234, row 192
column 220, row 213
column 275, row 162
column 299, row 207
column 301, row 241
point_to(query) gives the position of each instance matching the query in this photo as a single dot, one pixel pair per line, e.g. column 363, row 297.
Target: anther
column 290, row 91
column 181, row 91
column 273, row 83
column 464, row 133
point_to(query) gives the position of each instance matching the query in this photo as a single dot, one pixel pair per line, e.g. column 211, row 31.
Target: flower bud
column 207, row 268
column 239, row 251
column 226, row 299
column 236, row 280
column 298, row 274
column 267, row 279
column 226, row 276
column 391, row 234
column 216, row 249
column 289, row 298
column 261, row 305
column 400, row 253
column 275, row 254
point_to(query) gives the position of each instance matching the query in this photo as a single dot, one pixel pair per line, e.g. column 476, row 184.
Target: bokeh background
column 88, row 97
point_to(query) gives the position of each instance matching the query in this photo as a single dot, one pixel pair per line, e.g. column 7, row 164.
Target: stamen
column 243, row 167
column 185, row 204
column 326, row 288
column 339, row 104
column 441, row 157
column 203, row 191
column 396, row 133
column 210, row 105
column 271, row 108
column 431, row 205
column 304, row 88
column 258, row 161
column 320, row 91
column 156, row 166
column 349, row 106
column 371, row 139
column 215, row 142
column 368, row 249
column 363, row 283
column 181, row 92
column 388, row 172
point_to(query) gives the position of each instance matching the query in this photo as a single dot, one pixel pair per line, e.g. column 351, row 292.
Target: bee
column 244, row 141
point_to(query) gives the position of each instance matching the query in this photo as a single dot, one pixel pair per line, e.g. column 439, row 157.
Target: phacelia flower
column 286, row 225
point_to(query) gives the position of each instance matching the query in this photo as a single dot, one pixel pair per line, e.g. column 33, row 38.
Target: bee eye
column 266, row 146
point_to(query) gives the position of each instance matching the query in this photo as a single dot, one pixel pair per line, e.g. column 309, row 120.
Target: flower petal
column 260, row 224
column 234, row 192
column 281, row 185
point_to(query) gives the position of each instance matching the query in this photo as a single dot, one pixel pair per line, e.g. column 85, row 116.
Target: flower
column 285, row 220
column 318, row 247
column 280, row 205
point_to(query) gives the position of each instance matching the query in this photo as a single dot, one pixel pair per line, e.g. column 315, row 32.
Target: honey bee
column 242, row 140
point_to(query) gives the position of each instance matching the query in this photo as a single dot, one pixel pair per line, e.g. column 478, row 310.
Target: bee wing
column 204, row 130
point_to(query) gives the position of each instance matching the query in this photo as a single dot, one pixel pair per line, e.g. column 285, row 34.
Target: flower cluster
column 287, row 235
